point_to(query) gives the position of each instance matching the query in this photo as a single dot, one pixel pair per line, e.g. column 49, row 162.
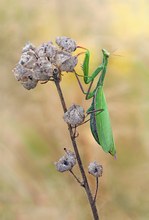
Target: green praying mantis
column 99, row 116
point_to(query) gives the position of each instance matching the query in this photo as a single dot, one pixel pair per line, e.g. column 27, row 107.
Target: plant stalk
column 85, row 181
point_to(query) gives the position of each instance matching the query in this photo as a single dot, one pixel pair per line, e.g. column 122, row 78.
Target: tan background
column 32, row 131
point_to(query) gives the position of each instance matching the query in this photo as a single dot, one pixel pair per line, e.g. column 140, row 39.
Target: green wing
column 100, row 122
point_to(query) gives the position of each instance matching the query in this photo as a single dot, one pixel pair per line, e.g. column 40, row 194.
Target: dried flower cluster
column 39, row 63
column 67, row 162
column 74, row 116
column 95, row 169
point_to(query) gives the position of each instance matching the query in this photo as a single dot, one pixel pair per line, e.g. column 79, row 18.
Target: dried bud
column 74, row 116
column 65, row 61
column 29, row 46
column 43, row 69
column 28, row 59
column 47, row 50
column 19, row 71
column 29, row 82
column 25, row 76
column 69, row 64
column 95, row 169
column 67, row 162
column 66, row 44
column 51, row 51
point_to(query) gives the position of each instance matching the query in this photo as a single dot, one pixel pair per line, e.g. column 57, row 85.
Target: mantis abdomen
column 100, row 122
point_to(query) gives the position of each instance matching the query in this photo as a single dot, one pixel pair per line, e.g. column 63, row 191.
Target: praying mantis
column 99, row 116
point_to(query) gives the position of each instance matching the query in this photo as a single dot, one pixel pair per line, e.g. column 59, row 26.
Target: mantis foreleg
column 90, row 79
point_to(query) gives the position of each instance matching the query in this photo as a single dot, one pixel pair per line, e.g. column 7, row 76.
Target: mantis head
column 105, row 53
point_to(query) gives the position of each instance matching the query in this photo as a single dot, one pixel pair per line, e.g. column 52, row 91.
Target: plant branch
column 81, row 183
column 96, row 191
column 85, row 181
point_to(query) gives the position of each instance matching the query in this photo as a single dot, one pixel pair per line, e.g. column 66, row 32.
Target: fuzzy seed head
column 65, row 61
column 43, row 69
column 25, row 76
column 28, row 59
column 47, row 50
column 39, row 64
column 66, row 43
column 95, row 169
column 28, row 47
column 74, row 116
column 67, row 162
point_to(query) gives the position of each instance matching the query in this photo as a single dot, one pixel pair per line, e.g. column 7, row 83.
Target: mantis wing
column 100, row 122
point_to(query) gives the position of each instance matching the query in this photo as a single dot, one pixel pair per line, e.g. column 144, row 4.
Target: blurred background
column 33, row 133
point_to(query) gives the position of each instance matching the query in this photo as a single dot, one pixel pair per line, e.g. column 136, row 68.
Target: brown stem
column 85, row 181
column 96, row 191
column 82, row 184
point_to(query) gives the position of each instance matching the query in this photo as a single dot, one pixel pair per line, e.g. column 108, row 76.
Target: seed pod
column 28, row 59
column 25, row 76
column 74, row 116
column 28, row 46
column 47, row 50
column 51, row 51
column 67, row 162
column 95, row 169
column 65, row 61
column 66, row 43
column 19, row 71
column 43, row 69
column 29, row 82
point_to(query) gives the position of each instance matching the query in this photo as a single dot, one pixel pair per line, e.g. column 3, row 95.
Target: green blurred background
column 33, row 133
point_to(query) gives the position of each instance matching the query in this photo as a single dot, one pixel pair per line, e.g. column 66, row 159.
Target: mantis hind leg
column 96, row 110
column 90, row 112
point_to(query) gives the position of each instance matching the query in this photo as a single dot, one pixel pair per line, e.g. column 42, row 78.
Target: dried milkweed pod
column 66, row 43
column 95, row 169
column 74, row 116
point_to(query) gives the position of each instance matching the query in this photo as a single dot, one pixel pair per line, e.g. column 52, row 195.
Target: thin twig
column 81, row 183
column 96, row 191
column 85, row 181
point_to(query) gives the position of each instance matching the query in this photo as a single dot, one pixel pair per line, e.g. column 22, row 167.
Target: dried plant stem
column 96, row 191
column 85, row 181
column 82, row 184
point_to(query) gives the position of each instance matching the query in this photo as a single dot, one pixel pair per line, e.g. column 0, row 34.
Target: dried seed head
column 43, row 69
column 69, row 64
column 29, row 83
column 39, row 64
column 65, row 61
column 51, row 51
column 67, row 162
column 28, row 46
column 95, row 169
column 66, row 43
column 25, row 76
column 19, row 71
column 28, row 59
column 74, row 116
column 47, row 50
